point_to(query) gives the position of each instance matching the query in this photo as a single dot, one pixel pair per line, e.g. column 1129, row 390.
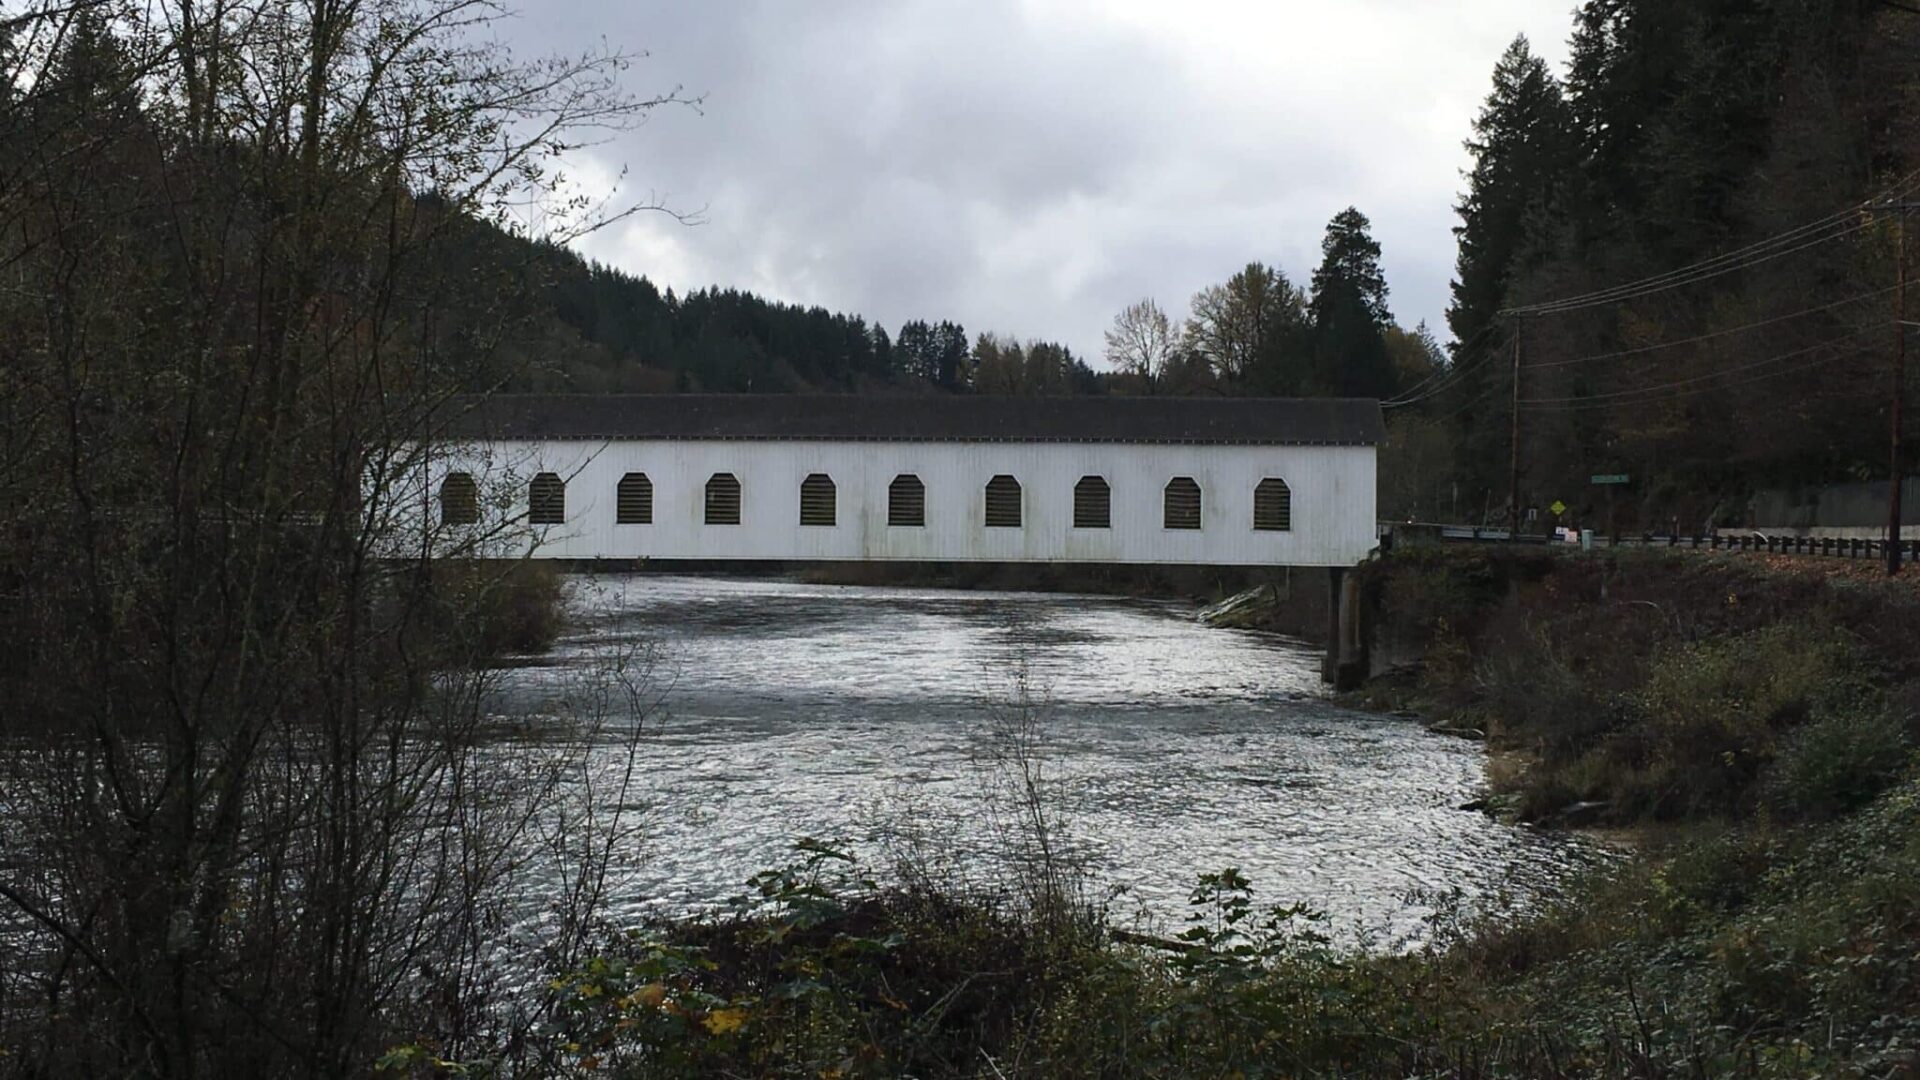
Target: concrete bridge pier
column 1346, row 663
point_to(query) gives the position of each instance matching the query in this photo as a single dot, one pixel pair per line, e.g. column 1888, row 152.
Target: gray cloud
column 1031, row 166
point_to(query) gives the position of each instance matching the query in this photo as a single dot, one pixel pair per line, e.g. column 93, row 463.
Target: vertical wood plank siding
column 1259, row 505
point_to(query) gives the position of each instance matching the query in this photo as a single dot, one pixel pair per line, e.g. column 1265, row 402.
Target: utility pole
column 1899, row 385
column 1513, row 477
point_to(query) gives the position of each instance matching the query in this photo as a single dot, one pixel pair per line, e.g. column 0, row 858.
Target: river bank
column 1756, row 729
column 881, row 715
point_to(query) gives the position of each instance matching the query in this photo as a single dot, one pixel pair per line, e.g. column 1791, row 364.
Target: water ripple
column 865, row 713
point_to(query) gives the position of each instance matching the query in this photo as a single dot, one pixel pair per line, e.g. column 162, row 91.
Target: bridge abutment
column 1346, row 662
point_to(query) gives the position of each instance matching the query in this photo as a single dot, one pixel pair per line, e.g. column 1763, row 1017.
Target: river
column 865, row 715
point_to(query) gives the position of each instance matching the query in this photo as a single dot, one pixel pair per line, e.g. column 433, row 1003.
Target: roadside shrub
column 1839, row 763
column 1713, row 714
column 1537, row 699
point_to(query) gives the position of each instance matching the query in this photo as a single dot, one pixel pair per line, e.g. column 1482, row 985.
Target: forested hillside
column 1751, row 134
column 595, row 328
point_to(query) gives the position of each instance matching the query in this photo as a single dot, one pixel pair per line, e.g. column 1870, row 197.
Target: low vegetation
column 1763, row 954
column 491, row 610
column 1651, row 687
column 1756, row 729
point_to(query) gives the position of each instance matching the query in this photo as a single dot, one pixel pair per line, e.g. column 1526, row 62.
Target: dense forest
column 1676, row 235
column 589, row 328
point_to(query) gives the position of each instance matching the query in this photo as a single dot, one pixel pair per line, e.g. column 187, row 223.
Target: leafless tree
column 1246, row 323
column 1144, row 342
column 251, row 822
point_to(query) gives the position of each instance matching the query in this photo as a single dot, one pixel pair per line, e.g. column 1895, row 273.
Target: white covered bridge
column 766, row 478
column 1211, row 481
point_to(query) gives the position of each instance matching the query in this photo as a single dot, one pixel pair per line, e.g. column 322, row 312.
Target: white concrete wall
column 1333, row 501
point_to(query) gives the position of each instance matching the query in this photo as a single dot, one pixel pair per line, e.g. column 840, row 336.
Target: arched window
column 907, row 501
column 1092, row 503
column 1182, row 503
column 817, row 500
column 633, row 504
column 723, row 499
column 1273, row 505
column 547, row 500
column 459, row 500
column 1003, row 502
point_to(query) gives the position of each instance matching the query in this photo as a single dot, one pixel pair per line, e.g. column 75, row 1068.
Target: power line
column 1663, row 398
column 1476, row 399
column 1454, row 375
column 1585, row 400
column 1713, row 374
column 1656, row 347
column 1794, row 239
column 1448, row 376
column 1439, row 373
column 1766, row 250
column 1689, row 276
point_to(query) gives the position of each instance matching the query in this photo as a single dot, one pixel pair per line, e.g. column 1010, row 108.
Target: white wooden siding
column 1333, row 501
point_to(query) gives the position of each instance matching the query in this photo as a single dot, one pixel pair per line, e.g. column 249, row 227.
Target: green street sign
column 1558, row 508
column 1610, row 478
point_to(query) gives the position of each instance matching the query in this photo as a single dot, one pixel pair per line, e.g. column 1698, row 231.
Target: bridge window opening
column 634, row 502
column 907, row 501
column 817, row 500
column 723, row 499
column 1273, row 505
column 547, row 500
column 459, row 500
column 1092, row 504
column 1182, row 503
column 1003, row 502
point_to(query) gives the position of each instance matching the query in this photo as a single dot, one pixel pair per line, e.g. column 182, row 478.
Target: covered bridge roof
column 934, row 418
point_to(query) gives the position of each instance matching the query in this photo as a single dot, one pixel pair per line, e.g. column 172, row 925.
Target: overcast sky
column 1029, row 167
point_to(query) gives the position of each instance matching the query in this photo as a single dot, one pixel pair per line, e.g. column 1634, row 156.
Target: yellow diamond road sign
column 1558, row 508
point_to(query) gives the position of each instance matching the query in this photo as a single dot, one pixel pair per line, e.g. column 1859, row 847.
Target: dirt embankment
column 1649, row 686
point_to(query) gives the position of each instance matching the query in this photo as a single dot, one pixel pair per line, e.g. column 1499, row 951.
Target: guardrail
column 1753, row 541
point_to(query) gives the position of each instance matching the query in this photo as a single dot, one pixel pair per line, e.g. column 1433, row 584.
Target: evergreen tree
column 1350, row 317
column 950, row 354
column 883, row 360
column 999, row 366
column 914, row 353
column 1416, row 355
column 1521, row 157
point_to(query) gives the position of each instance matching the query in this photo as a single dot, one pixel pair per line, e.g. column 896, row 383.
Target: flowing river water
column 869, row 715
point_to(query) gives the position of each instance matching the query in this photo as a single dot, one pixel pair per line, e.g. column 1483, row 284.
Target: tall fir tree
column 1350, row 317
column 1522, row 149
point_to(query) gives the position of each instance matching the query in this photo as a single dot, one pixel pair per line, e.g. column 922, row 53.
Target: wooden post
column 1899, row 386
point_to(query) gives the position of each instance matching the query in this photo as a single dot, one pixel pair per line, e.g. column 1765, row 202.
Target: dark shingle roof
column 944, row 418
